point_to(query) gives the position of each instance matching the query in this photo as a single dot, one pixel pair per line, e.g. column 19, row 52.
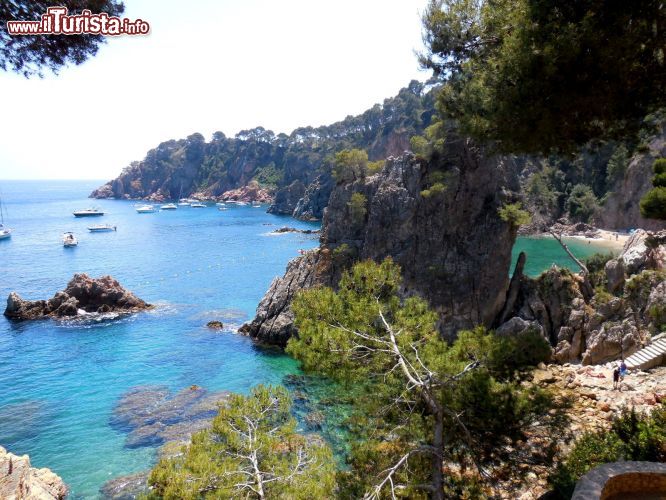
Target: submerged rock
column 153, row 416
column 82, row 295
column 215, row 325
column 18, row 480
column 127, row 487
column 287, row 229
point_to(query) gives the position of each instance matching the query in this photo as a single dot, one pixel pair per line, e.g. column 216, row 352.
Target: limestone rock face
column 621, row 208
column 20, row 481
column 452, row 246
column 315, row 198
column 614, row 270
column 274, row 321
column 82, row 295
column 287, row 198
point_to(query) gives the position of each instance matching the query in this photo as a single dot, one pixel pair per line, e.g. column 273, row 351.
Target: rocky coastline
column 19, row 480
column 83, row 295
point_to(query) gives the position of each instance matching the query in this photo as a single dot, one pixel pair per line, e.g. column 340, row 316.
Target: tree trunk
column 437, row 461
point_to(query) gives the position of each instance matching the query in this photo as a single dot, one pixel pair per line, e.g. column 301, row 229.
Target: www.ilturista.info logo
column 57, row 22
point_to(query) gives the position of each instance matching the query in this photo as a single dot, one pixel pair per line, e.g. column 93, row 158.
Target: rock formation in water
column 606, row 325
column 82, row 295
column 451, row 243
column 20, row 481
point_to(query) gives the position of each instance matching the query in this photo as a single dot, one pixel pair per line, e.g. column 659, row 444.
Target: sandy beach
column 611, row 239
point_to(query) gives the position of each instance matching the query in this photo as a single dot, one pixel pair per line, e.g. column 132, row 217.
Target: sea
column 60, row 381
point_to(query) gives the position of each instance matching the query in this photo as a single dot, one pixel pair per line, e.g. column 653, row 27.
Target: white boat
column 88, row 212
column 197, row 204
column 100, row 228
column 145, row 209
column 241, row 203
column 183, row 204
column 221, row 204
column 69, row 240
column 222, row 208
column 5, row 232
column 169, row 206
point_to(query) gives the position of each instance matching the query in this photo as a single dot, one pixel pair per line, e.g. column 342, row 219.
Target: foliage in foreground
column 426, row 405
column 632, row 436
column 252, row 451
column 544, row 75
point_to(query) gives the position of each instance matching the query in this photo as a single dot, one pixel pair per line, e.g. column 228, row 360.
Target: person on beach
column 616, row 377
column 623, row 369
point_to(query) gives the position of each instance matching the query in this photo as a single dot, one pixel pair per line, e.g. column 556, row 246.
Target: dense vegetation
column 30, row 55
column 543, row 75
column 653, row 204
column 181, row 167
column 632, row 436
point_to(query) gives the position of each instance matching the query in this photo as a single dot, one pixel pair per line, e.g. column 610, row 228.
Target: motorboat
column 145, row 209
column 197, row 204
column 88, row 212
column 5, row 232
column 169, row 206
column 222, row 208
column 221, row 204
column 69, row 240
column 101, row 228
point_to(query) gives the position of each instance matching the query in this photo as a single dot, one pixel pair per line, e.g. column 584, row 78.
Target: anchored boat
column 145, row 209
column 89, row 212
column 69, row 240
column 101, row 228
column 5, row 232
column 169, row 206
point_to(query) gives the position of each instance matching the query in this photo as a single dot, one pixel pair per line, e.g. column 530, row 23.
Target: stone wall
column 622, row 480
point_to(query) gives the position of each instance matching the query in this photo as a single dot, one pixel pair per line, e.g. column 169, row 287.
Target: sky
column 212, row 65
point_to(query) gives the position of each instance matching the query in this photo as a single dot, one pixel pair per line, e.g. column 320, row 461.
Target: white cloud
column 215, row 65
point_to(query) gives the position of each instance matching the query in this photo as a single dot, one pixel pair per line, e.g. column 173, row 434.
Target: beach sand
column 610, row 239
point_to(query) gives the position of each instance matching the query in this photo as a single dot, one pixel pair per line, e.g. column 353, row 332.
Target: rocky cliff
column 20, row 481
column 621, row 209
column 450, row 242
column 82, row 295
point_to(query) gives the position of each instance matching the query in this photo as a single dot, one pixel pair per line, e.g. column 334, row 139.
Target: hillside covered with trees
column 178, row 168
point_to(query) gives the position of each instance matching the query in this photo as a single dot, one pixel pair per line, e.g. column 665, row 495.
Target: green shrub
column 357, row 208
column 659, row 166
column 514, row 214
column 420, row 146
column 659, row 180
column 436, row 189
column 269, row 175
column 653, row 204
column 375, row 166
column 350, row 165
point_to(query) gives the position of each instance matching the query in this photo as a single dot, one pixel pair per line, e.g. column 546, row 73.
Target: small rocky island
column 83, row 295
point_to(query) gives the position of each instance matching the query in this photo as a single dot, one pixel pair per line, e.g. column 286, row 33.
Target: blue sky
column 213, row 65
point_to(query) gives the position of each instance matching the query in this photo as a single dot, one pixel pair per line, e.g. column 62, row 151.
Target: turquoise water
column 543, row 252
column 60, row 381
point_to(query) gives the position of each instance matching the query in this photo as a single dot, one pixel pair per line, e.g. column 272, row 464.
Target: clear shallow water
column 59, row 382
column 543, row 252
